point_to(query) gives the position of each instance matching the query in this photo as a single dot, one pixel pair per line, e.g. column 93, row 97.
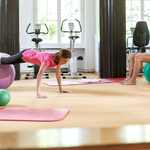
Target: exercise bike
column 73, row 61
column 37, row 40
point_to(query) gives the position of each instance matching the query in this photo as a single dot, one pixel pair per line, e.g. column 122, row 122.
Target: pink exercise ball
column 7, row 75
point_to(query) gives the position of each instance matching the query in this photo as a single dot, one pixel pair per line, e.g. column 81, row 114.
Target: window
column 136, row 10
column 52, row 13
column 48, row 14
column 132, row 14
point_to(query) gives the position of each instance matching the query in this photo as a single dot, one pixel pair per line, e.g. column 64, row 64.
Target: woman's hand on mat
column 63, row 91
column 41, row 96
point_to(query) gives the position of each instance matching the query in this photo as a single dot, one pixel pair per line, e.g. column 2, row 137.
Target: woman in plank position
column 43, row 59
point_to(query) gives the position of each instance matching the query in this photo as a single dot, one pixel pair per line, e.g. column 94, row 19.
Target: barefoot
column 127, row 79
column 3, row 55
column 129, row 82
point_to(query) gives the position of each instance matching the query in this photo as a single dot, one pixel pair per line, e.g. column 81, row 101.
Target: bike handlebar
column 40, row 32
column 72, row 31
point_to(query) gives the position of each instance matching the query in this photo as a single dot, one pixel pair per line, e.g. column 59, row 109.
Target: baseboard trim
column 62, row 69
column 97, row 73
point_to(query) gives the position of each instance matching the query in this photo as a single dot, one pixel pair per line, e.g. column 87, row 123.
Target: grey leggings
column 14, row 59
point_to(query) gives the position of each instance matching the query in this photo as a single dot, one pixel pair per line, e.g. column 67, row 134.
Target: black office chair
column 141, row 36
column 140, row 40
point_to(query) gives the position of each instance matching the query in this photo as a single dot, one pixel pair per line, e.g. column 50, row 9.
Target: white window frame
column 59, row 44
column 148, row 21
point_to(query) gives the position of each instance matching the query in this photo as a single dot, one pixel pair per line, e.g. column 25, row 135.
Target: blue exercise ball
column 147, row 72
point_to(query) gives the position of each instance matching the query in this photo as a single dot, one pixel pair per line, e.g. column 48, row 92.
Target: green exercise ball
column 147, row 72
column 4, row 97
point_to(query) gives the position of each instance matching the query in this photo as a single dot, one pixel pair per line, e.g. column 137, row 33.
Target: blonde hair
column 64, row 53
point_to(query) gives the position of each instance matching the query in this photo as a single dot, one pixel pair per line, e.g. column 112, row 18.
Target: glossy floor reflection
column 137, row 136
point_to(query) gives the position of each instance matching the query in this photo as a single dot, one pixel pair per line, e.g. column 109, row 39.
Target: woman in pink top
column 43, row 59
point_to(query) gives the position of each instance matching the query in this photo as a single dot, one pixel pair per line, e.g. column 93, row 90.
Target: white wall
column 97, row 58
column 89, row 63
column 26, row 17
column 90, row 33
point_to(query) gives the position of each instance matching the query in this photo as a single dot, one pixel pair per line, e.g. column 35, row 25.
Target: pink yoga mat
column 79, row 82
column 33, row 114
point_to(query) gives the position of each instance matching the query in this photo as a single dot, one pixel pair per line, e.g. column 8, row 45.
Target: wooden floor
column 123, row 138
column 107, row 117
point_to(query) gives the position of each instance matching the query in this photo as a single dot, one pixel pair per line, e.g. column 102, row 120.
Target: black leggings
column 14, row 59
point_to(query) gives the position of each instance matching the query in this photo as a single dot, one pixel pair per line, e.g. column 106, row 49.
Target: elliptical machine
column 73, row 61
column 37, row 40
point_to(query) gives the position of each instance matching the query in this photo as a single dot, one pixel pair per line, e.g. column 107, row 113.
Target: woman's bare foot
column 129, row 82
column 125, row 80
column 3, row 55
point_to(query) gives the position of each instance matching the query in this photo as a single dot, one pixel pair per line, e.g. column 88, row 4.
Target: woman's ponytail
column 56, row 58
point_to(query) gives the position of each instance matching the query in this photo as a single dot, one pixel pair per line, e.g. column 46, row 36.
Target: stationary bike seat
column 73, row 36
column 37, row 40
